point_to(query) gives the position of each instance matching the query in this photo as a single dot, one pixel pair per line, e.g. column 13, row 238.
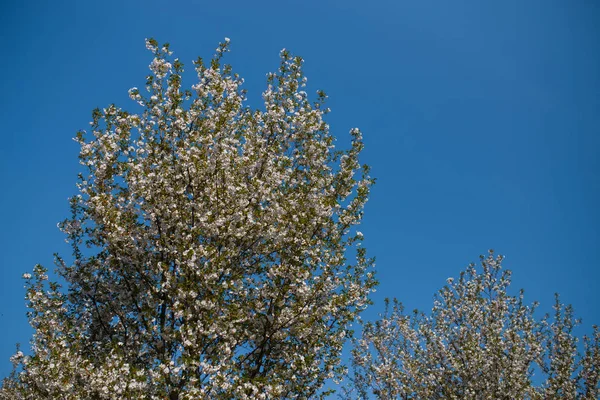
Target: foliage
column 210, row 244
column 479, row 343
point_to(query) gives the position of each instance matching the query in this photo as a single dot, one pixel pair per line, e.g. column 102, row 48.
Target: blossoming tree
column 210, row 244
column 478, row 343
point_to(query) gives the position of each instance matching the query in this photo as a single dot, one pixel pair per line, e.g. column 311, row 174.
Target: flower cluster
column 478, row 343
column 210, row 247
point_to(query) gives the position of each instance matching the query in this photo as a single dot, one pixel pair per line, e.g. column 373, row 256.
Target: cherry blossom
column 209, row 247
column 478, row 343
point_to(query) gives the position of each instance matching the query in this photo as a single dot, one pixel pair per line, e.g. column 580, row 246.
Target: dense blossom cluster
column 210, row 244
column 478, row 343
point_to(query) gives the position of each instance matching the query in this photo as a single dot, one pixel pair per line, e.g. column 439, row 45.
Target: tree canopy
column 479, row 342
column 210, row 244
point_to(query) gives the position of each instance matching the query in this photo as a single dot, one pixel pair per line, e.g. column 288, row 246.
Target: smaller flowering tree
column 478, row 343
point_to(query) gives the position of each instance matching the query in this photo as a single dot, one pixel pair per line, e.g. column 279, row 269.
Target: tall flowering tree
column 210, row 244
column 478, row 343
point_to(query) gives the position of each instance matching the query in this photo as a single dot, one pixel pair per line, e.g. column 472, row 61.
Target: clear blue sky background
column 481, row 123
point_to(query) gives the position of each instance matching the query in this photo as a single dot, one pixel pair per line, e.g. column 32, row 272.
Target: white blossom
column 209, row 244
column 478, row 343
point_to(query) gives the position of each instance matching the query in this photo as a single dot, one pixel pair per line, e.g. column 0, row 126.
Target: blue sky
column 481, row 124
